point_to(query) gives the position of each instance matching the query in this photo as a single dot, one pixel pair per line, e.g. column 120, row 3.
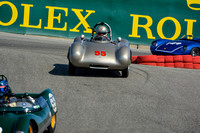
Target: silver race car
column 100, row 51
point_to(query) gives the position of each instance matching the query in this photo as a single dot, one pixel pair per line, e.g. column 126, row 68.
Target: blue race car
column 183, row 46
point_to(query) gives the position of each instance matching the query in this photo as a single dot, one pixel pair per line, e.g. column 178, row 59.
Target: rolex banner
column 139, row 21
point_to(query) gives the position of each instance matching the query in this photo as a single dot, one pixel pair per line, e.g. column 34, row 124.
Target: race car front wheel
column 125, row 72
column 195, row 52
column 51, row 128
column 72, row 69
column 31, row 128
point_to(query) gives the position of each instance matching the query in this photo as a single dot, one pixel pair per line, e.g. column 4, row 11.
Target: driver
column 5, row 89
column 102, row 33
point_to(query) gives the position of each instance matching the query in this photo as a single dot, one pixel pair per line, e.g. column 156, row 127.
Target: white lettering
column 174, row 43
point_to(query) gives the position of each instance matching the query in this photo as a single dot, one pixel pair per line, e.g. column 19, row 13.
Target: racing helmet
column 4, row 87
column 101, row 30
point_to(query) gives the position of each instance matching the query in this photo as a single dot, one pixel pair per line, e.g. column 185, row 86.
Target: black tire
column 51, row 128
column 195, row 52
column 131, row 55
column 68, row 53
column 125, row 72
column 31, row 128
column 72, row 69
column 153, row 53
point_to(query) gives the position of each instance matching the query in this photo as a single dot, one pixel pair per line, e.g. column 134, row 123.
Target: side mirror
column 82, row 37
column 119, row 39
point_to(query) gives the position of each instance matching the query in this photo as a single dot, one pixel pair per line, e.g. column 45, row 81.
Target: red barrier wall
column 177, row 61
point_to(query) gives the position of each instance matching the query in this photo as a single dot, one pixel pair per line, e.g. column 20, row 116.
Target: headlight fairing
column 123, row 55
column 76, row 52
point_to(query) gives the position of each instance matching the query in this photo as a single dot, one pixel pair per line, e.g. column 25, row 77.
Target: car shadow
column 62, row 70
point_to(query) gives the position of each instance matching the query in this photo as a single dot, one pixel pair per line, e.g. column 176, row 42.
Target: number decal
column 103, row 53
column 98, row 53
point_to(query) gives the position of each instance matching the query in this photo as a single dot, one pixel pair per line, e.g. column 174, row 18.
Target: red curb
column 134, row 59
column 151, row 64
column 169, row 59
column 147, row 59
column 177, row 61
column 188, row 65
column 196, row 66
column 160, row 59
column 178, row 58
column 196, row 60
column 179, row 65
column 169, row 64
column 187, row 58
column 160, row 64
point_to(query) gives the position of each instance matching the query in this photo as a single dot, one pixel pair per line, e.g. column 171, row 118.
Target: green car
column 28, row 112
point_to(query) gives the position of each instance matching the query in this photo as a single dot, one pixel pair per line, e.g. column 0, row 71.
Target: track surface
column 151, row 100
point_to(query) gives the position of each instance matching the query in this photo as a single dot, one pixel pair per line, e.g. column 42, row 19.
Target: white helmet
column 101, row 30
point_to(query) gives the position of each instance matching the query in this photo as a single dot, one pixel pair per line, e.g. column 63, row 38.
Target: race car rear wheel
column 195, row 52
column 72, row 69
column 125, row 72
column 51, row 128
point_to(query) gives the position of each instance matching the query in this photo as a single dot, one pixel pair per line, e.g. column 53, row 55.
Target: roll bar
column 105, row 24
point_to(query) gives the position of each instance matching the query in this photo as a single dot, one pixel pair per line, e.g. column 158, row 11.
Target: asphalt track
column 151, row 100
